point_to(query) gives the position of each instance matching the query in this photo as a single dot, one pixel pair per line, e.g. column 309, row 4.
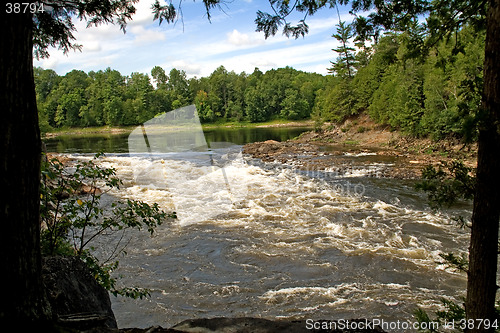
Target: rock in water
column 76, row 298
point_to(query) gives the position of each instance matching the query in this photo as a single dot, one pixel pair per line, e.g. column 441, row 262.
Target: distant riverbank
column 266, row 124
column 88, row 130
column 227, row 124
column 356, row 135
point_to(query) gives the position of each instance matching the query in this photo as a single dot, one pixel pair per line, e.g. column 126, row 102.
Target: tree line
column 107, row 97
column 434, row 92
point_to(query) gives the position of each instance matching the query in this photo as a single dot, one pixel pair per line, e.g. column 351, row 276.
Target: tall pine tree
column 345, row 64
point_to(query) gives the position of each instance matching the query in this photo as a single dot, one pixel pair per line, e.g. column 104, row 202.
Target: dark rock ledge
column 80, row 304
column 75, row 297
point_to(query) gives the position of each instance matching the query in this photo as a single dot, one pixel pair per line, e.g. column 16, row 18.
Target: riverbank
column 267, row 124
column 88, row 131
column 227, row 124
column 334, row 146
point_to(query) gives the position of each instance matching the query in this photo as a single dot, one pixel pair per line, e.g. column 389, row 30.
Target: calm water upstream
column 117, row 143
column 265, row 240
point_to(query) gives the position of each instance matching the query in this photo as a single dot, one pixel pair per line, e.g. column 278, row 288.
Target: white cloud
column 51, row 62
column 310, row 57
column 197, row 47
column 143, row 35
column 317, row 68
column 319, row 25
column 103, row 32
column 240, row 39
column 91, row 46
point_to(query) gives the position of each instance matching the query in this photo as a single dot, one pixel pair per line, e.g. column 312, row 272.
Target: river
column 266, row 240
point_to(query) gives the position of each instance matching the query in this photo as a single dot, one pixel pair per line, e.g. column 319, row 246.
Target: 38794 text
column 23, row 7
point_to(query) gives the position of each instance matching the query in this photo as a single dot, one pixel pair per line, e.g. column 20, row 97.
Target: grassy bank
column 88, row 130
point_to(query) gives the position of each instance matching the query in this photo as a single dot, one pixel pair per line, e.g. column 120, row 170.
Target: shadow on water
column 241, row 136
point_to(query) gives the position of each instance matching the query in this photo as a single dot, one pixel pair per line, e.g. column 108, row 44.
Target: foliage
column 434, row 91
column 434, row 94
column 424, row 78
column 54, row 26
column 442, row 17
column 448, row 183
column 107, row 98
column 336, row 102
column 73, row 217
column 445, row 186
column 344, row 66
column 452, row 313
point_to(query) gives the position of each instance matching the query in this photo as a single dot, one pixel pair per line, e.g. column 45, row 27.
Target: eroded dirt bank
column 334, row 147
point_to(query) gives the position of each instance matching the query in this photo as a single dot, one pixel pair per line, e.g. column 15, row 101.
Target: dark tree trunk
column 483, row 251
column 22, row 298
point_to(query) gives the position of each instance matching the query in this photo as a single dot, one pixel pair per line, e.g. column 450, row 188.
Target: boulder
column 261, row 325
column 239, row 325
column 77, row 300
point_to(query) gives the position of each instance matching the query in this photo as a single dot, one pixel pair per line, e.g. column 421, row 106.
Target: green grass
column 90, row 130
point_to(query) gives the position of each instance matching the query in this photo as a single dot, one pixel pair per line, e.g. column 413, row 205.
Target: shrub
column 72, row 216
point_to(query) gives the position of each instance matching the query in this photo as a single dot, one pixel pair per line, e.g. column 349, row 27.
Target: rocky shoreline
column 332, row 149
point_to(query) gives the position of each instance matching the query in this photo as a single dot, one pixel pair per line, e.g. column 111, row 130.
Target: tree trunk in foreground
column 483, row 251
column 22, row 300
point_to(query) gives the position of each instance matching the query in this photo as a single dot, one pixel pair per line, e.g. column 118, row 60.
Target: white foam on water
column 333, row 295
column 312, row 226
column 279, row 203
column 359, row 154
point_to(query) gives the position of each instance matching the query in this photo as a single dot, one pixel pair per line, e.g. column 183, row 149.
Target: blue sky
column 197, row 46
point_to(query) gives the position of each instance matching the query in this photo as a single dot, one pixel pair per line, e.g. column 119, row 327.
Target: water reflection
column 243, row 136
column 88, row 143
column 117, row 143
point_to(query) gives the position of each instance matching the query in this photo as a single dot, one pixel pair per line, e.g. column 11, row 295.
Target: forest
column 426, row 92
column 107, row 97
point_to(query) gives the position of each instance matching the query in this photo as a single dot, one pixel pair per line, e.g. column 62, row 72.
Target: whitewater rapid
column 267, row 240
